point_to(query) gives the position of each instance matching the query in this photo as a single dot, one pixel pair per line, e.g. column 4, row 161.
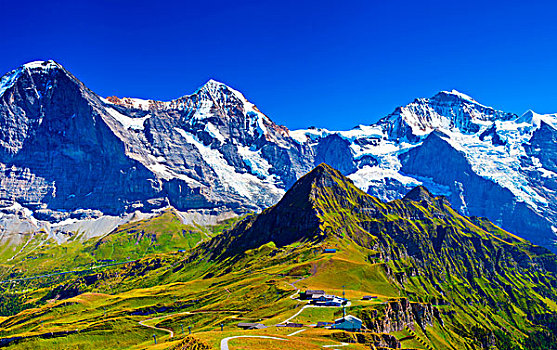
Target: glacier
column 64, row 149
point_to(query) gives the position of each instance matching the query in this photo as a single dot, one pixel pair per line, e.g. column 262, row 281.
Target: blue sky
column 334, row 64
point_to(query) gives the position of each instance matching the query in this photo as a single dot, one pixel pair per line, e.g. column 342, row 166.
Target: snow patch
column 257, row 164
column 460, row 94
column 309, row 135
column 500, row 163
column 127, row 122
column 8, row 80
column 44, row 65
column 365, row 176
column 214, row 132
column 246, row 185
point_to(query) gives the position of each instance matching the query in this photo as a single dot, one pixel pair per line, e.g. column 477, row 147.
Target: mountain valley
column 438, row 279
column 199, row 223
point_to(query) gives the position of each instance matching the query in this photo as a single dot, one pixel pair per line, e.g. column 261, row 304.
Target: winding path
column 309, row 305
column 293, row 296
column 335, row 345
column 169, row 331
column 297, row 313
column 294, row 333
column 224, row 342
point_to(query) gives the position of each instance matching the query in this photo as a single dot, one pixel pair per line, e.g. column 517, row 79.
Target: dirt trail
column 224, row 342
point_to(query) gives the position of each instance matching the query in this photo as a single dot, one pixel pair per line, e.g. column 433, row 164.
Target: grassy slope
column 162, row 233
column 239, row 296
column 485, row 276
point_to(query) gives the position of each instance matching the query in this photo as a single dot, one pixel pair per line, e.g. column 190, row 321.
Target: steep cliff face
column 335, row 151
column 400, row 314
column 58, row 150
column 378, row 341
column 63, row 148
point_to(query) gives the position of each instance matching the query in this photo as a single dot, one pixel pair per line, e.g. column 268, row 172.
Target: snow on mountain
column 460, row 95
column 8, row 80
column 494, row 149
column 533, row 119
column 446, row 110
column 127, row 122
column 64, row 148
column 218, row 125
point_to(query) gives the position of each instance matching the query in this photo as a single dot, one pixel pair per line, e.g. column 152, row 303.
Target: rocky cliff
column 397, row 315
column 448, row 270
column 63, row 149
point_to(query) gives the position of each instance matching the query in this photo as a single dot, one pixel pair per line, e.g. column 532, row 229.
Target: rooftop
column 348, row 318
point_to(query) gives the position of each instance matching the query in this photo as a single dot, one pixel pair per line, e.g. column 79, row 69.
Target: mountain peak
column 42, row 65
column 421, row 194
column 216, row 88
column 447, row 110
column 324, row 170
column 537, row 120
column 297, row 216
column 454, row 94
column 10, row 78
column 418, row 194
column 212, row 82
column 528, row 113
column 312, row 185
column 213, row 85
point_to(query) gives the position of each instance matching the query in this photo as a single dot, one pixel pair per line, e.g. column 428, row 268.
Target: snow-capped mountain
column 63, row 148
column 67, row 153
column 487, row 162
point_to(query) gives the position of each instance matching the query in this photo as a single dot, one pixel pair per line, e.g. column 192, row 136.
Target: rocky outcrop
column 380, row 341
column 64, row 148
column 473, row 194
column 396, row 315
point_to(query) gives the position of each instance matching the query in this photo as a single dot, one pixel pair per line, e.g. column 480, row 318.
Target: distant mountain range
column 67, row 154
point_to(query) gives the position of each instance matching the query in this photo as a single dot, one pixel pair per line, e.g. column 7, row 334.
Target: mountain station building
column 348, row 323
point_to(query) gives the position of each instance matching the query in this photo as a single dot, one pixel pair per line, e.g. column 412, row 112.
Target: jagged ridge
column 63, row 148
column 426, row 249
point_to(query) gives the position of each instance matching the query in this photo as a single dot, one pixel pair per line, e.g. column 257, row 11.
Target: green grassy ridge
column 238, row 284
column 159, row 234
column 482, row 280
column 494, row 279
column 162, row 233
column 212, row 294
column 43, row 256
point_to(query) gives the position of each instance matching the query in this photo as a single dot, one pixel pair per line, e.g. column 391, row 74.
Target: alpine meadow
column 182, row 175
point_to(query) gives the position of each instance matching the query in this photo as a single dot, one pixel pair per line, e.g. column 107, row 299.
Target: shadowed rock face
column 335, row 151
column 475, row 195
column 400, row 314
column 57, row 150
column 64, row 148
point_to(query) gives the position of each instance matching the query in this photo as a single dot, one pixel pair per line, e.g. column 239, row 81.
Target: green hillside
column 439, row 279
